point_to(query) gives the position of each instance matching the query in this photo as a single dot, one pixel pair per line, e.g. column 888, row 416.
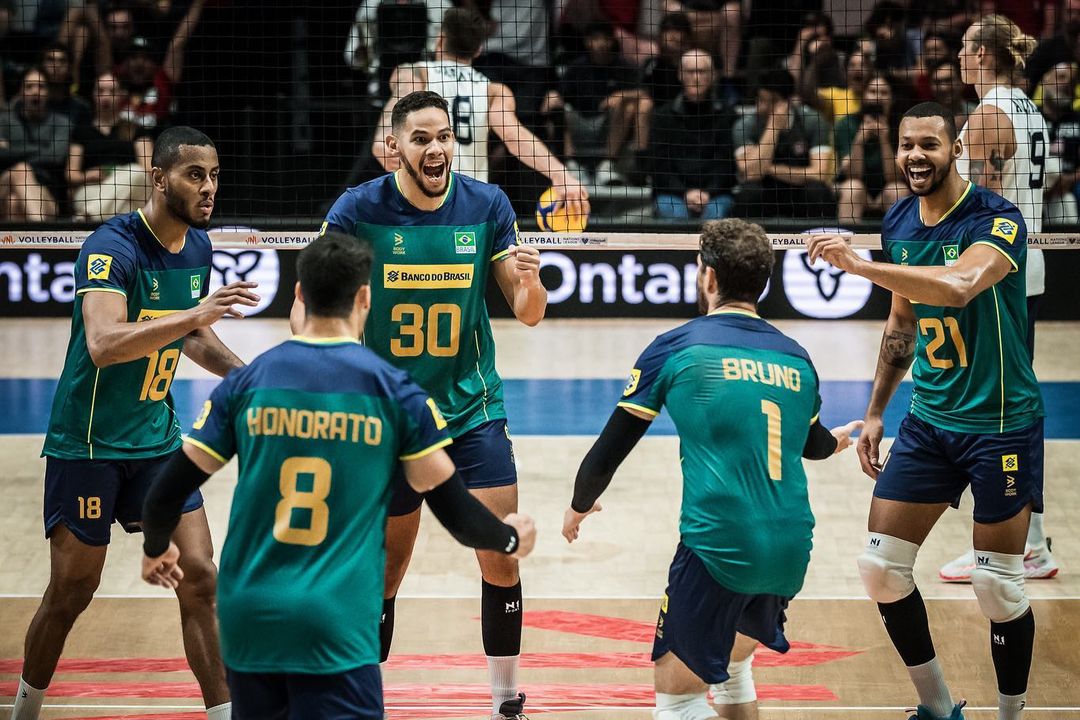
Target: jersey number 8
column 302, row 515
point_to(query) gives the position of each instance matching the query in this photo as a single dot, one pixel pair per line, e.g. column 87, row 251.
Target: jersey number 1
column 771, row 411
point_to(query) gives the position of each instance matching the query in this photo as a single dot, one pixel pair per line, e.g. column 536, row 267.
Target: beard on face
column 938, row 175
column 416, row 173
column 181, row 212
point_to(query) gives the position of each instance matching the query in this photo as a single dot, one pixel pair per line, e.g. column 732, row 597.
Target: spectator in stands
column 33, row 147
column 622, row 16
column 716, row 27
column 120, row 28
column 936, row 49
column 947, row 88
column 690, row 147
column 1064, row 47
column 1059, row 87
column 821, row 91
column 783, row 155
column 82, row 32
column 606, row 109
column 814, row 54
column 150, row 84
column 56, row 64
column 771, row 33
column 661, row 75
column 108, row 167
column 886, row 26
column 866, row 152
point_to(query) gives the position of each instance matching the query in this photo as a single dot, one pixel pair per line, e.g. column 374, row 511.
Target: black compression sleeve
column 165, row 501
column 820, row 443
column 620, row 435
column 466, row 518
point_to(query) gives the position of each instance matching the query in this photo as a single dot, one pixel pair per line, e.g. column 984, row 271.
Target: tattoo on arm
column 898, row 349
column 984, row 172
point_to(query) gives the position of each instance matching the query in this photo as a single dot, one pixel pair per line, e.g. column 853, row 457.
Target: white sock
column 1011, row 706
column 930, row 685
column 220, row 712
column 503, row 674
column 693, row 706
column 1036, row 537
column 28, row 701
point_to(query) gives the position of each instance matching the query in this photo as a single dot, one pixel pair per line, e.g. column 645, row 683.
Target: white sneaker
column 1039, row 563
column 606, row 174
column 959, row 569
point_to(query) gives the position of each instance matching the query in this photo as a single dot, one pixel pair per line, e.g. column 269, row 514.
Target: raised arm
column 526, row 147
column 174, row 56
column 206, row 350
column 518, row 276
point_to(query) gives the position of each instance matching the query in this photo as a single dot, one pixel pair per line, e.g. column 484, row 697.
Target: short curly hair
column 741, row 255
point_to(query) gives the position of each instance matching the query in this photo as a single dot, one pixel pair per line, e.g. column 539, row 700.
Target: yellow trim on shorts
column 207, row 449
column 101, row 289
column 427, row 450
column 642, row 408
column 1000, row 250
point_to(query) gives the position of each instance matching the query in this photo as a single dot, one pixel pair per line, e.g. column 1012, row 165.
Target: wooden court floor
column 590, row 607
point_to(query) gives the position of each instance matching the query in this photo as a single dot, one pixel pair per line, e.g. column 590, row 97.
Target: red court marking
column 200, row 715
column 591, row 625
column 447, row 695
column 107, row 665
column 528, row 661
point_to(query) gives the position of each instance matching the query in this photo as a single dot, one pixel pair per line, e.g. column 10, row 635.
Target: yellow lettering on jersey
column 632, row 383
column 427, row 277
column 312, row 424
column 1010, row 463
column 98, row 267
column 201, row 420
column 756, row 371
column 1004, row 229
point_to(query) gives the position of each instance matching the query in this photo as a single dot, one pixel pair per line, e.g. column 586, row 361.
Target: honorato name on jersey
column 314, row 424
column 764, row 373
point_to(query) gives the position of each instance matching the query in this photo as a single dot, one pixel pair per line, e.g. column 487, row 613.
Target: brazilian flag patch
column 1004, row 229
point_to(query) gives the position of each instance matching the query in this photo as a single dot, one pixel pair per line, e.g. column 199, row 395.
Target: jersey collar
column 446, row 195
column 734, row 311
column 146, row 224
column 959, row 201
column 341, row 340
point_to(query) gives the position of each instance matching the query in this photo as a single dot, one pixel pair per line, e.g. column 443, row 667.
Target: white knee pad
column 739, row 687
column 885, row 566
column 683, row 707
column 998, row 580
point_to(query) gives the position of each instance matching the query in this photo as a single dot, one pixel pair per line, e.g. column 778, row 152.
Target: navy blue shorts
column 484, row 456
column 699, row 618
column 929, row 465
column 353, row 695
column 89, row 495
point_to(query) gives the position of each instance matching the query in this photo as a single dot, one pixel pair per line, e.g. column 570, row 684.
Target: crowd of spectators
column 769, row 108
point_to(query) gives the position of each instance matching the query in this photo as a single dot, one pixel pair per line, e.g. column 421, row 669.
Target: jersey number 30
column 436, row 330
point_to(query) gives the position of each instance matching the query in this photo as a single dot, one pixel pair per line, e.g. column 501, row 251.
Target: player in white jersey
column 477, row 105
column 1006, row 145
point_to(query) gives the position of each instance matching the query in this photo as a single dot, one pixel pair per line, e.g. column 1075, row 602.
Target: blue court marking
column 550, row 407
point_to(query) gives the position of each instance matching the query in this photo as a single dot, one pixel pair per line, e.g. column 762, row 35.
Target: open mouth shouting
column 920, row 177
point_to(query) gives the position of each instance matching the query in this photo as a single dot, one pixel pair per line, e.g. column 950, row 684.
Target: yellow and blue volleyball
column 557, row 219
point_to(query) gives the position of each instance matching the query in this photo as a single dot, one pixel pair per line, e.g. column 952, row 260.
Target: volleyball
column 557, row 219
